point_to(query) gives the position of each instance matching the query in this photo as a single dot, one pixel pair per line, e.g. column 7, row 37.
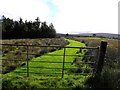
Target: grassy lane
column 39, row 80
column 44, row 65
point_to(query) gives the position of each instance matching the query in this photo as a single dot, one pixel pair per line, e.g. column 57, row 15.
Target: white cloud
column 87, row 15
column 73, row 15
column 27, row 9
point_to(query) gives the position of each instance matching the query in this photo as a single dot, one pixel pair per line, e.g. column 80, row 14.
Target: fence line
column 97, row 65
column 57, row 46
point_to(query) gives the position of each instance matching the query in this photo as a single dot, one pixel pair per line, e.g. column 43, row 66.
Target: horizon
column 67, row 16
column 89, row 33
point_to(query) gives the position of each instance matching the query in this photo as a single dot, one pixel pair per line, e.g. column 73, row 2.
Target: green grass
column 69, row 51
column 19, row 52
column 18, row 80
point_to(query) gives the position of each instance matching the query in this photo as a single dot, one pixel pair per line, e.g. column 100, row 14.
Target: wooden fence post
column 27, row 63
column 63, row 62
column 100, row 62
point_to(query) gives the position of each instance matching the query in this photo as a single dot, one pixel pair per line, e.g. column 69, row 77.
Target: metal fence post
column 100, row 62
column 27, row 63
column 63, row 62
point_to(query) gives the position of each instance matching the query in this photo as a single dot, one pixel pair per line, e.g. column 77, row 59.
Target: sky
column 67, row 16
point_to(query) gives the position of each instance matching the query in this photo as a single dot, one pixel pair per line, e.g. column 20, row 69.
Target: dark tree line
column 28, row 29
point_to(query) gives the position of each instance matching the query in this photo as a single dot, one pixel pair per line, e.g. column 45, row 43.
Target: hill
column 104, row 35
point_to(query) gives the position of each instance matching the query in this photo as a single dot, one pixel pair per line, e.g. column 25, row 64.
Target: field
column 70, row 80
column 37, row 62
column 112, row 47
column 109, row 78
column 19, row 53
column 111, row 70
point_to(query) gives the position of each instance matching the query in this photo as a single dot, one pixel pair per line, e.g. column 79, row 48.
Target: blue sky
column 54, row 10
column 67, row 16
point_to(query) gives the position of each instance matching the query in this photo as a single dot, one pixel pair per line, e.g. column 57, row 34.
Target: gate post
column 63, row 62
column 27, row 63
column 100, row 61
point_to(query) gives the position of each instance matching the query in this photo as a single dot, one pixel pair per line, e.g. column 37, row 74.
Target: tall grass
column 13, row 55
column 111, row 70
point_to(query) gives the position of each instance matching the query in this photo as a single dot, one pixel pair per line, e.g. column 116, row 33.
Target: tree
column 94, row 35
column 44, row 30
column 7, row 29
column 52, row 32
column 27, row 29
column 67, row 34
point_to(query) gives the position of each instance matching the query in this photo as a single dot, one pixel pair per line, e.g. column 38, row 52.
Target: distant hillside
column 106, row 35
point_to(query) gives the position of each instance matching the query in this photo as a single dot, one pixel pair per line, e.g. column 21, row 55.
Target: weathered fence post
column 27, row 63
column 63, row 62
column 100, row 62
